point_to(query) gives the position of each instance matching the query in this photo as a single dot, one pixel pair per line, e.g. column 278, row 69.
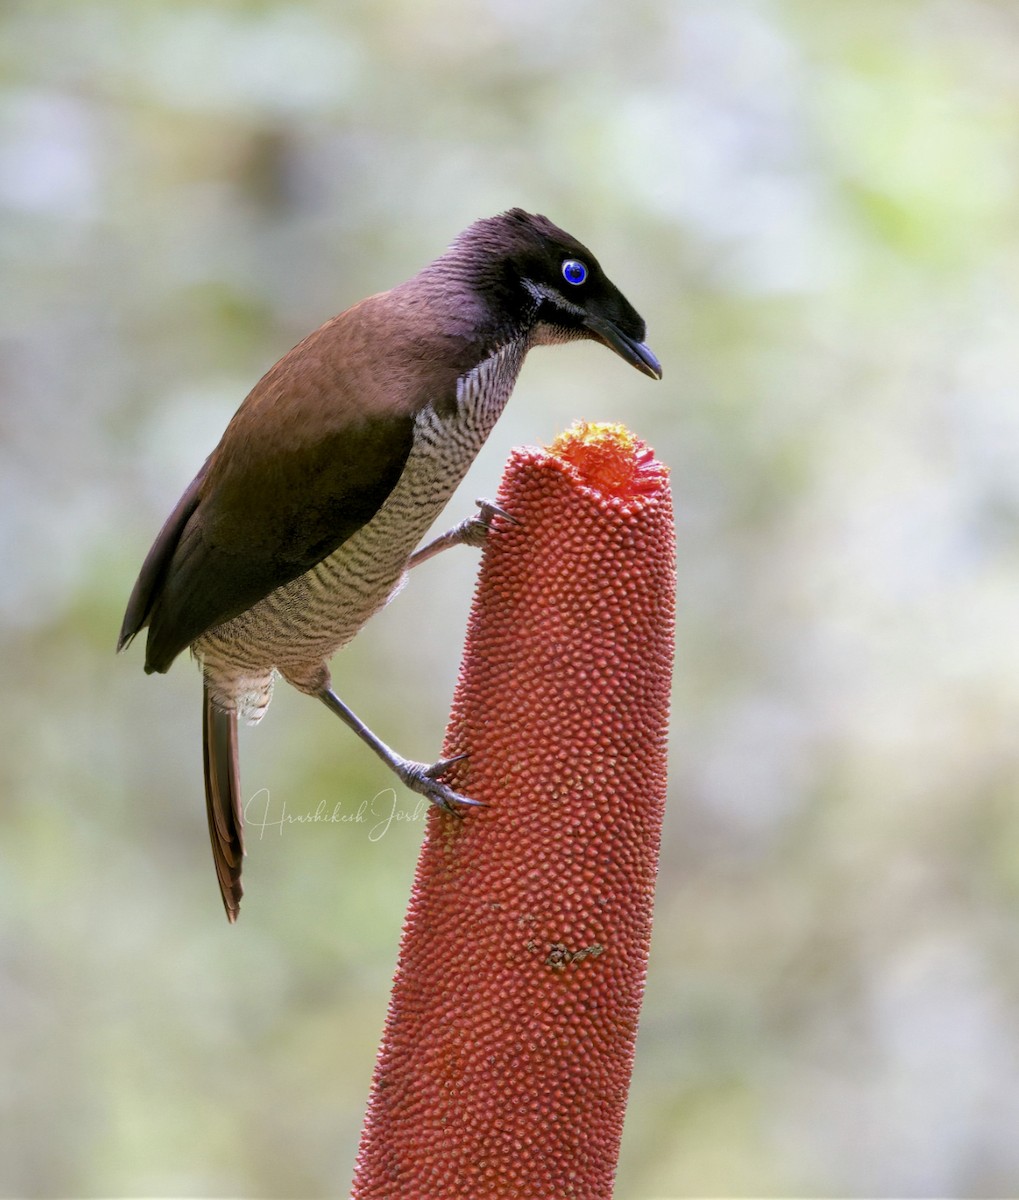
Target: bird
column 304, row 520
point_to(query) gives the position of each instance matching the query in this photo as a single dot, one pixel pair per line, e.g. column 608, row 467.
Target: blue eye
column 574, row 271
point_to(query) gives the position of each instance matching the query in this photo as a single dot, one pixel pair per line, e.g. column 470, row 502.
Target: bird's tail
column 223, row 801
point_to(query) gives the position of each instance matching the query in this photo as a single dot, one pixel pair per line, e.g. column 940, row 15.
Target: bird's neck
column 477, row 301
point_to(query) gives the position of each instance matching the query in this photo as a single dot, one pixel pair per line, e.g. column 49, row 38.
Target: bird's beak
column 638, row 354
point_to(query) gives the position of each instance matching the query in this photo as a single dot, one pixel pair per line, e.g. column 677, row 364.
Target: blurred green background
column 815, row 208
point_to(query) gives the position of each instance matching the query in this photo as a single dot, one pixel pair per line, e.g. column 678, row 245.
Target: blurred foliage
column 814, row 206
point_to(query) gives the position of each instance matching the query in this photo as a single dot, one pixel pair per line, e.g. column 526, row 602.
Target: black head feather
column 514, row 264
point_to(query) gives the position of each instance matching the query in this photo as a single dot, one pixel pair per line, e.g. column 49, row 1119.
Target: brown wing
column 309, row 457
column 227, row 559
column 157, row 561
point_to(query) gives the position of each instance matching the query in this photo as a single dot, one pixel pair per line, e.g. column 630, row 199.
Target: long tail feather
column 223, row 801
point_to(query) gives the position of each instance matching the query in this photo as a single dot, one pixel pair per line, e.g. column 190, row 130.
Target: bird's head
column 533, row 276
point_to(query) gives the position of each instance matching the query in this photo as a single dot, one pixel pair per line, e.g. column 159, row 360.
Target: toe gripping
column 472, row 531
column 426, row 781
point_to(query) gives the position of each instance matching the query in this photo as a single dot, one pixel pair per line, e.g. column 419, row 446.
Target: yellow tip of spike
column 601, row 434
column 607, row 457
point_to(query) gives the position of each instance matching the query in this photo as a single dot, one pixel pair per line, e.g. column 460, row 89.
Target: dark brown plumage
column 300, row 524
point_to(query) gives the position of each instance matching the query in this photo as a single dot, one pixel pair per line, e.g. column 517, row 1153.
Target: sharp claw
column 443, row 765
column 489, row 509
column 448, row 800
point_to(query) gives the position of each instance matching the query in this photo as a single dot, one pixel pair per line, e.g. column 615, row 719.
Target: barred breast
column 296, row 629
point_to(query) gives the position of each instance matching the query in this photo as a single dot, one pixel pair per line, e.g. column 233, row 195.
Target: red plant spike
column 508, row 1047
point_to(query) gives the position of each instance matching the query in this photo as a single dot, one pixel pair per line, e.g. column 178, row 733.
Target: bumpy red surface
column 508, row 1047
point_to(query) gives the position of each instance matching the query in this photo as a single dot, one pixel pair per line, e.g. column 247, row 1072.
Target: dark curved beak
column 637, row 354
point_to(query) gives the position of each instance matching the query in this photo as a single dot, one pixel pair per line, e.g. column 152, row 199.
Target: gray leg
column 472, row 531
column 419, row 777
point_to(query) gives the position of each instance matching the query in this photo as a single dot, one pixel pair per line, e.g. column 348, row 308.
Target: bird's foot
column 472, row 531
column 426, row 781
column 419, row 777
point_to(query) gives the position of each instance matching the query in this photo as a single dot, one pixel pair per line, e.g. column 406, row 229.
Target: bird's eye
column 574, row 271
